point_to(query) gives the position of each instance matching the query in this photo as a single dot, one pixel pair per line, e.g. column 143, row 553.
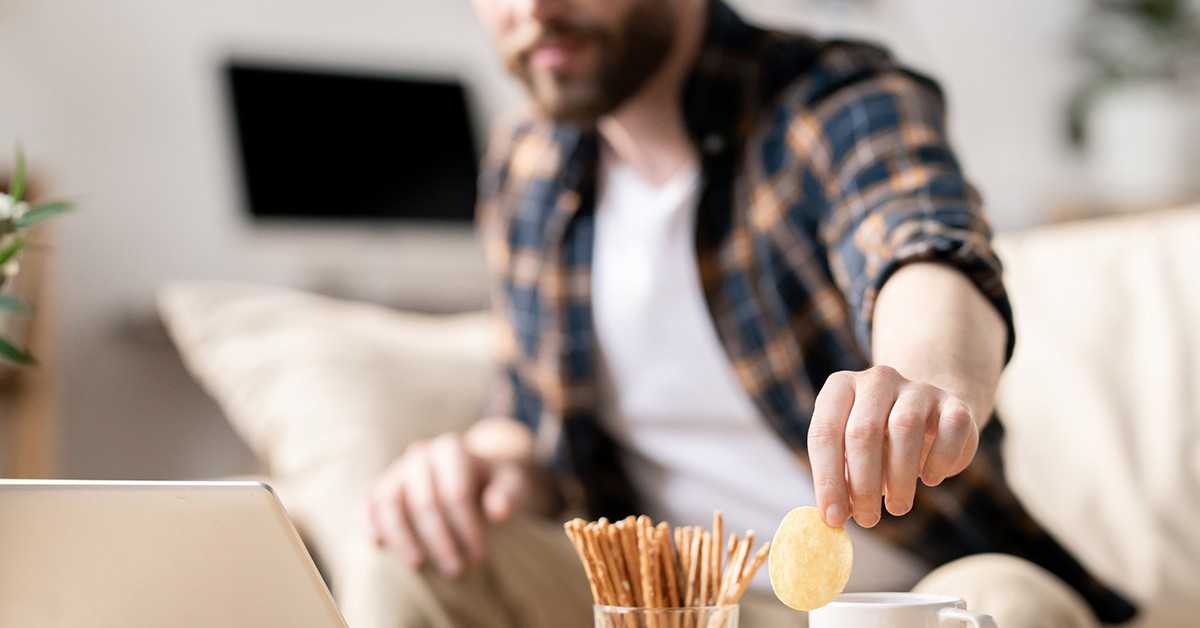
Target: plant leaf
column 12, row 250
column 13, row 304
column 40, row 213
column 17, row 189
column 13, row 353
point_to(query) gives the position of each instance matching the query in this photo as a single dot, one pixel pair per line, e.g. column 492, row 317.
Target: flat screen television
column 322, row 145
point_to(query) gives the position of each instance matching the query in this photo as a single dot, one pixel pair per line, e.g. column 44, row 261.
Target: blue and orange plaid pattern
column 826, row 167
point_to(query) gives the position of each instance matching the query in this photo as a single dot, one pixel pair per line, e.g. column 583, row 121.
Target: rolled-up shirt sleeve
column 895, row 192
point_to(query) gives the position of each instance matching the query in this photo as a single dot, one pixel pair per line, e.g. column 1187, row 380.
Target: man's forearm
column 934, row 326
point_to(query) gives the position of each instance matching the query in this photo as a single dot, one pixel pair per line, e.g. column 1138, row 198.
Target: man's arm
column 910, row 251
column 938, row 349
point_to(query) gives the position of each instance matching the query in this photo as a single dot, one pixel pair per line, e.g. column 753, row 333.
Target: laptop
column 154, row 554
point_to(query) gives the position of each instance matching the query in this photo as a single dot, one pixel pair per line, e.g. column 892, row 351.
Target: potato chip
column 810, row 562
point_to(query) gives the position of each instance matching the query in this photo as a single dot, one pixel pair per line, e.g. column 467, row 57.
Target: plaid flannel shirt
column 826, row 167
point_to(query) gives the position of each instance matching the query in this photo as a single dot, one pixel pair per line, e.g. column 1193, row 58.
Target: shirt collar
column 723, row 82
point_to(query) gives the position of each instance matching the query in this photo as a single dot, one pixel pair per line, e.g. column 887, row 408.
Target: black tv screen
column 318, row 144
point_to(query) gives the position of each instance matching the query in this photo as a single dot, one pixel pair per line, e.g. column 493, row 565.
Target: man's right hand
column 431, row 502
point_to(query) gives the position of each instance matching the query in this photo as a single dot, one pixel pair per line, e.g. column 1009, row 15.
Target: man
column 740, row 270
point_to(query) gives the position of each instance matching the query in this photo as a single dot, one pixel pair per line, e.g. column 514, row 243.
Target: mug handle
column 979, row 620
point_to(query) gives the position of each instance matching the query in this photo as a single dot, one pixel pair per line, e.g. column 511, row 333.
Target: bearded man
column 738, row 270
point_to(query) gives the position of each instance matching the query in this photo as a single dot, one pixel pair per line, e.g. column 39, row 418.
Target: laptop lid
column 154, row 554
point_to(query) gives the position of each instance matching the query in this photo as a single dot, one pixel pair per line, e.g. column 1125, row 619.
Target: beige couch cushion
column 326, row 391
column 1102, row 398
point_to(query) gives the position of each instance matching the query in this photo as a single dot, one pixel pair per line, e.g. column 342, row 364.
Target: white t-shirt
column 689, row 432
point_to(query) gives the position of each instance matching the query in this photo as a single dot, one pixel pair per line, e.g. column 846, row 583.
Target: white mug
column 897, row 610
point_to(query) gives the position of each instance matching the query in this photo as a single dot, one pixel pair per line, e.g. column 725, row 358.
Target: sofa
column 1101, row 401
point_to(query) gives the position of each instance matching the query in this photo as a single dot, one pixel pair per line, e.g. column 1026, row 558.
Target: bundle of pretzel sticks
column 635, row 563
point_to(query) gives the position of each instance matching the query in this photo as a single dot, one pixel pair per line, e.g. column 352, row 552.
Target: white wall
column 118, row 105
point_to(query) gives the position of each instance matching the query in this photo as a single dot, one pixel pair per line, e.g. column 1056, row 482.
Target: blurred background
column 1060, row 110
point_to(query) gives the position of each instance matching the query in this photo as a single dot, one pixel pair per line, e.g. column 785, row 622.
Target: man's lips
column 555, row 52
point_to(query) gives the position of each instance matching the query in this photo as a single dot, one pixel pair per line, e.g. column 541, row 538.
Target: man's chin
column 576, row 104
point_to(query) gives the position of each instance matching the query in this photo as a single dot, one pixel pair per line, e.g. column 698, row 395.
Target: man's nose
column 540, row 10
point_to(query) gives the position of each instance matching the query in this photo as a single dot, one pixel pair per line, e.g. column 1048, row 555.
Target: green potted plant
column 17, row 217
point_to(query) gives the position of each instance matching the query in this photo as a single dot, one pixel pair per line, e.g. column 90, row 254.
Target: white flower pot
column 1140, row 146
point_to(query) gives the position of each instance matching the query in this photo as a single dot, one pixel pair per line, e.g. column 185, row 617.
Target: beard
column 626, row 60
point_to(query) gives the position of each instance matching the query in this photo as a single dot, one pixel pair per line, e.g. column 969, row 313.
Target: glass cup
column 896, row 610
column 689, row 617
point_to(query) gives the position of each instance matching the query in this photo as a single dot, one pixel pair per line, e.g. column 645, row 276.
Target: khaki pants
column 533, row 579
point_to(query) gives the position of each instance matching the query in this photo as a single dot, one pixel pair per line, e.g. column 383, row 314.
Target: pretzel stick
column 650, row 577
column 694, row 569
column 685, row 562
column 732, row 570
column 731, row 551
column 595, row 539
column 618, row 591
column 598, row 567
column 691, row 551
column 602, row 582
column 644, row 561
column 671, row 575
column 717, row 548
column 609, row 580
column 743, row 555
column 657, row 569
column 628, row 537
column 669, row 561
column 629, row 555
column 613, row 540
column 739, row 569
column 681, row 555
column 663, row 542
column 615, row 561
column 748, row 575
column 724, row 586
column 573, row 532
column 621, row 594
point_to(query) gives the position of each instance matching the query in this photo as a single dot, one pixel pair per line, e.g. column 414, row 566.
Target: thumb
column 503, row 492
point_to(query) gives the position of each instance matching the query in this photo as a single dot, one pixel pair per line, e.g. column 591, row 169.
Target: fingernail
column 897, row 507
column 867, row 520
column 835, row 515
